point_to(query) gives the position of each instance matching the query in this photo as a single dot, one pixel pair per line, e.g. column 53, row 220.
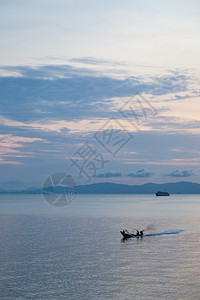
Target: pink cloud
column 8, row 145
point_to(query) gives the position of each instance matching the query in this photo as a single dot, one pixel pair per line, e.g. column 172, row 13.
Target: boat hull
column 129, row 235
column 162, row 194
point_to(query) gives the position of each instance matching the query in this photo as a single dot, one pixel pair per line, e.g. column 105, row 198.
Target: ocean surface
column 77, row 252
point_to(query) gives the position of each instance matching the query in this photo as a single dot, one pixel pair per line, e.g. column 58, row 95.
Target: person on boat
column 138, row 233
column 141, row 232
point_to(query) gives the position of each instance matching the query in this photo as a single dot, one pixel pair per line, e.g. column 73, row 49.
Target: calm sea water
column 76, row 252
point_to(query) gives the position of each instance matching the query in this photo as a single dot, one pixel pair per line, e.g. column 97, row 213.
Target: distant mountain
column 148, row 188
column 114, row 188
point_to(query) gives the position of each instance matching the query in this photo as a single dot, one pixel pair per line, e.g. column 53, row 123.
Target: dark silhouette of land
column 114, row 188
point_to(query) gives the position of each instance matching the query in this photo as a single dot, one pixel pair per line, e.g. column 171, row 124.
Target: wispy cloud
column 9, row 162
column 179, row 173
column 57, row 107
column 109, row 175
column 143, row 173
column 162, row 162
column 80, row 126
column 12, row 147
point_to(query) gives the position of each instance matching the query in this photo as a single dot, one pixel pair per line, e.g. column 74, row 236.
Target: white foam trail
column 167, row 232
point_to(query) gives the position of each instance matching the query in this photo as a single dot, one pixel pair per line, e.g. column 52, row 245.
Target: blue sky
column 72, row 72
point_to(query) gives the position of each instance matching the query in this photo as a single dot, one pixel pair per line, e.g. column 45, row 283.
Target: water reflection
column 64, row 256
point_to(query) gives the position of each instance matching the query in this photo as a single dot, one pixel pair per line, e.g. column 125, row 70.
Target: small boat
column 162, row 194
column 127, row 235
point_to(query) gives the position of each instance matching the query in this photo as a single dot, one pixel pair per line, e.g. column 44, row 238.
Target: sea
column 77, row 252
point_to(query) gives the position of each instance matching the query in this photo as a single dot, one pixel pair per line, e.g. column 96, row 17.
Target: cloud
column 69, row 100
column 86, row 126
column 90, row 60
column 162, row 162
column 50, row 109
column 8, row 145
column 178, row 173
column 141, row 174
column 108, row 175
column 9, row 162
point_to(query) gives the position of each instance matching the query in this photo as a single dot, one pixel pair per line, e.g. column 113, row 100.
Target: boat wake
column 167, row 232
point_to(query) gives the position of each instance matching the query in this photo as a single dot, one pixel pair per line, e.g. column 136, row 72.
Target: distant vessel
column 127, row 235
column 162, row 194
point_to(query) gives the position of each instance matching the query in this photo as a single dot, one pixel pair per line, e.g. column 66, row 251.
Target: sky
column 105, row 91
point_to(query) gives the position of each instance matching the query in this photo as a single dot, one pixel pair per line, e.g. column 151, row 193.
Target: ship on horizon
column 162, row 194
